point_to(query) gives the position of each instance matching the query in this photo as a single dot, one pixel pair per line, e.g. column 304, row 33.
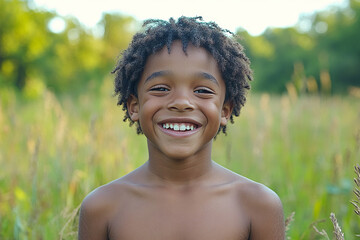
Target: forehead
column 196, row 59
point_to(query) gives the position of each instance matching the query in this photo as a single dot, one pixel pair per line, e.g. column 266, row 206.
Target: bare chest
column 180, row 217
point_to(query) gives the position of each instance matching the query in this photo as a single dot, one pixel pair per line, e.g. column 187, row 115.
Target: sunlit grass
column 55, row 150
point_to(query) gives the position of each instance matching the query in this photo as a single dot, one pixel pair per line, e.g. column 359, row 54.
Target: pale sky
column 252, row 15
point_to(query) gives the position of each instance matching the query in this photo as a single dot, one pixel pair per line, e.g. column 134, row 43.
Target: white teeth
column 179, row 126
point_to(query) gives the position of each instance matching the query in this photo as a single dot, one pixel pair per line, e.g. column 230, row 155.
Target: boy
column 181, row 82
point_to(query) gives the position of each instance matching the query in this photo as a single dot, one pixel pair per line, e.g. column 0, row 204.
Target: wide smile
column 179, row 128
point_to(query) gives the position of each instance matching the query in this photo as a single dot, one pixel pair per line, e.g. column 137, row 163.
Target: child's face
column 180, row 103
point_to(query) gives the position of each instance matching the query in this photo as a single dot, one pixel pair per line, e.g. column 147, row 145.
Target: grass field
column 55, row 150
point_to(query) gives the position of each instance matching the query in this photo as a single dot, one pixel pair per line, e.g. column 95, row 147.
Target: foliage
column 33, row 58
column 327, row 43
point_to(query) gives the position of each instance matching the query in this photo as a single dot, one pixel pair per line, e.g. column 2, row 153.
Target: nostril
column 181, row 104
column 181, row 108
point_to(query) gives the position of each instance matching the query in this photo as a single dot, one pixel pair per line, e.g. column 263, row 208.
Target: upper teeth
column 178, row 126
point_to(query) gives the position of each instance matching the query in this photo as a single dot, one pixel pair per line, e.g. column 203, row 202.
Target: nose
column 181, row 101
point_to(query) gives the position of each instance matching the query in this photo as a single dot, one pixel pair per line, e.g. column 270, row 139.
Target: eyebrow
column 204, row 75
column 157, row 74
column 209, row 77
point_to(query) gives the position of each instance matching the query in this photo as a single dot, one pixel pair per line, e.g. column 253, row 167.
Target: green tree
column 33, row 57
column 274, row 55
column 338, row 46
column 328, row 50
column 118, row 32
column 23, row 40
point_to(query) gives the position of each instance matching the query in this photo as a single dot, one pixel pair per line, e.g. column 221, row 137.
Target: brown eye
column 203, row 91
column 159, row 89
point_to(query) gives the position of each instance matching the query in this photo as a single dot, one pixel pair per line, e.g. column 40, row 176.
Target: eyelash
column 203, row 91
column 166, row 89
column 159, row 89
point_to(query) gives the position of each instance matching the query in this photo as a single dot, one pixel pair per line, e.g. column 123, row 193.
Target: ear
column 133, row 107
column 226, row 113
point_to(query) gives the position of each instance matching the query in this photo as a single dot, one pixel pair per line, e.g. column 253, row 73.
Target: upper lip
column 181, row 120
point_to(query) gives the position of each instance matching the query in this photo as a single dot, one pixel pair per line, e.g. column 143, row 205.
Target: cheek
column 147, row 111
column 213, row 113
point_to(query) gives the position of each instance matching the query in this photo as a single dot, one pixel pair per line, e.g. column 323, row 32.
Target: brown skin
column 180, row 193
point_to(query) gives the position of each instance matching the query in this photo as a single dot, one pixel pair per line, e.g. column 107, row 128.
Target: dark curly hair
column 228, row 53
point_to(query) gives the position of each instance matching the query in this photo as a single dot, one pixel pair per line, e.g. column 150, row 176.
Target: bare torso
column 130, row 209
column 207, row 212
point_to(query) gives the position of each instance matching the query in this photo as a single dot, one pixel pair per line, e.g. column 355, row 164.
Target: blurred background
column 62, row 135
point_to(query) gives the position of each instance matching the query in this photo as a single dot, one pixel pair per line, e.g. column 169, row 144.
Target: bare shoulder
column 263, row 207
column 107, row 198
column 98, row 208
column 257, row 195
column 100, row 198
column 250, row 192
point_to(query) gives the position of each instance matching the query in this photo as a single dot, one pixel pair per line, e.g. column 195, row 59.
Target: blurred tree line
column 321, row 53
column 34, row 57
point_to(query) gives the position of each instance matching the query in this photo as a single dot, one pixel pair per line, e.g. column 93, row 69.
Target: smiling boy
column 181, row 82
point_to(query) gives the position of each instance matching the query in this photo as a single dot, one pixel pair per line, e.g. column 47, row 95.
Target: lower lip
column 178, row 133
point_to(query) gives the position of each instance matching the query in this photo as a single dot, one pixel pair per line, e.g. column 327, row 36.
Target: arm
column 267, row 221
column 92, row 221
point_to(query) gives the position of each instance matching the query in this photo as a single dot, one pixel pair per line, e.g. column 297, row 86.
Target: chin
column 180, row 155
column 185, row 152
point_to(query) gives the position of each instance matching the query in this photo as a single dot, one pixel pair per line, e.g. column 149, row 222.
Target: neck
column 180, row 171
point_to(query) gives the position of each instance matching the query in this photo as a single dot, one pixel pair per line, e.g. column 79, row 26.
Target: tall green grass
column 55, row 150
